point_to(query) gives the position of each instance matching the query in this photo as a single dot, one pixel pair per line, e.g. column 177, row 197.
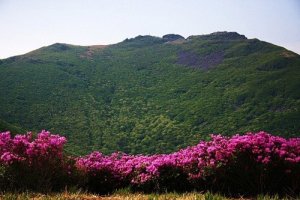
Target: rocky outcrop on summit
column 172, row 37
column 224, row 35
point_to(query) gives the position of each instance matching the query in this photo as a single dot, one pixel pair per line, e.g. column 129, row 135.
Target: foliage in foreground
column 250, row 164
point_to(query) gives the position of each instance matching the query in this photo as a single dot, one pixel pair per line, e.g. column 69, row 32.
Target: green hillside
column 151, row 94
column 4, row 126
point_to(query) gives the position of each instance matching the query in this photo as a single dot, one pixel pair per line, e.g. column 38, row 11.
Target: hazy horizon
column 29, row 25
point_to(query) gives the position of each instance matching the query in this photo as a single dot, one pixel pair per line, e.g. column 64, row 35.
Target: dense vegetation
column 251, row 164
column 151, row 94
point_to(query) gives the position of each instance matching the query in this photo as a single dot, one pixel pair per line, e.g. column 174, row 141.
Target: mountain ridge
column 214, row 35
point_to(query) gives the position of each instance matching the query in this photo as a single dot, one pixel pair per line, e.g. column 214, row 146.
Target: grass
column 128, row 196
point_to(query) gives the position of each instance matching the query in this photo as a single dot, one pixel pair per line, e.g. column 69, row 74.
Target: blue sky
column 29, row 24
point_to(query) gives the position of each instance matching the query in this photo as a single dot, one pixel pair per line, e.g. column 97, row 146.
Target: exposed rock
column 206, row 62
column 288, row 54
column 220, row 36
column 172, row 37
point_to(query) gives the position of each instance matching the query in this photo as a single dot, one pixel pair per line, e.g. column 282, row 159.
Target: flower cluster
column 196, row 161
column 258, row 159
column 24, row 148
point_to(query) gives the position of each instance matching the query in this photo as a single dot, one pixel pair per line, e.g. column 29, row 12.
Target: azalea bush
column 35, row 163
column 261, row 163
column 99, row 173
column 247, row 164
column 242, row 164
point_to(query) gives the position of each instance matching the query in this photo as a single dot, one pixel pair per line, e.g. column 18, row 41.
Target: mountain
column 150, row 94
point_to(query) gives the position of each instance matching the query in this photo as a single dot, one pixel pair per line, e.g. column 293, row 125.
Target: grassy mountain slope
column 150, row 94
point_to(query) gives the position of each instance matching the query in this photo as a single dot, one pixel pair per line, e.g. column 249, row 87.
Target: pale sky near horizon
column 30, row 24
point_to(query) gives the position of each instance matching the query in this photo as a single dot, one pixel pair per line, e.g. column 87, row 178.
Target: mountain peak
column 172, row 37
column 59, row 47
column 142, row 40
column 222, row 35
